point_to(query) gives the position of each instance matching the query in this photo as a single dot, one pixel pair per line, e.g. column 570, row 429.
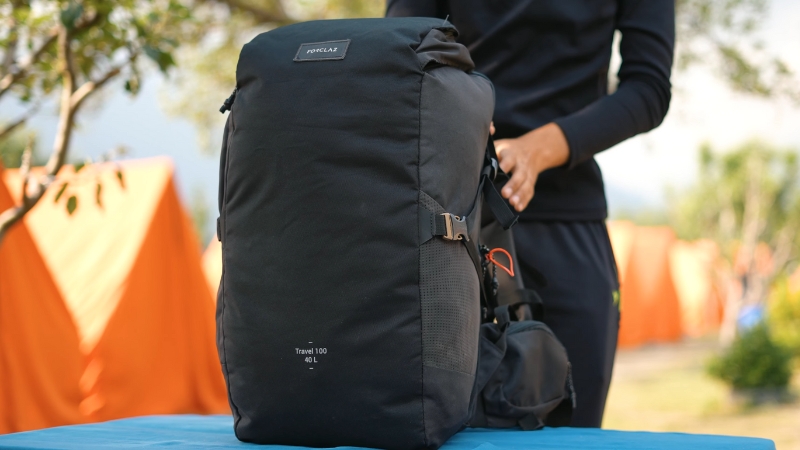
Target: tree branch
column 783, row 250
column 80, row 94
column 25, row 164
column 20, row 121
column 66, row 117
column 67, row 113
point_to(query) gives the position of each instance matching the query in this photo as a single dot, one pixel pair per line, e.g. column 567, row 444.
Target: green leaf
column 98, row 192
column 79, row 166
column 121, row 180
column 72, row 204
column 162, row 58
column 134, row 81
column 132, row 85
column 60, row 192
column 71, row 14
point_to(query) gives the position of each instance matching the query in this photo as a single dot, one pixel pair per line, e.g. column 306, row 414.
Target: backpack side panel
column 455, row 110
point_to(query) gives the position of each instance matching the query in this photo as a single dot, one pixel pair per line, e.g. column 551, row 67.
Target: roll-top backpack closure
column 439, row 47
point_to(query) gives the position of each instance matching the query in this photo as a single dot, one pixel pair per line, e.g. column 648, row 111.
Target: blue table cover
column 216, row 432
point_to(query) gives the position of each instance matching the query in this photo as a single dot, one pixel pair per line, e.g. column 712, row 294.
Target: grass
column 665, row 388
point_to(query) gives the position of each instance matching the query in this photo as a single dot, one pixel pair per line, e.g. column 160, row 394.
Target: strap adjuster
column 455, row 228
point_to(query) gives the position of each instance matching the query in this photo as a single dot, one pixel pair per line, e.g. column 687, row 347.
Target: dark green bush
column 753, row 361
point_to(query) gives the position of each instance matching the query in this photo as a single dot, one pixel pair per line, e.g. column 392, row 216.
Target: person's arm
column 416, row 8
column 642, row 98
column 639, row 104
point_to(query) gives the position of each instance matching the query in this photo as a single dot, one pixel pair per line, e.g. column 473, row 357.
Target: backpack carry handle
column 503, row 313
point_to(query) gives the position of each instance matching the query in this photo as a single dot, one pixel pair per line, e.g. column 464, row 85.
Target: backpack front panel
column 320, row 323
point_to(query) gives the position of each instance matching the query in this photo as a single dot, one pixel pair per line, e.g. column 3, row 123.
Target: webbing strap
column 446, row 226
column 452, row 227
column 489, row 302
column 505, row 216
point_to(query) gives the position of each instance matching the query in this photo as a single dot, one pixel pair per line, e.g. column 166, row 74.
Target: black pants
column 580, row 302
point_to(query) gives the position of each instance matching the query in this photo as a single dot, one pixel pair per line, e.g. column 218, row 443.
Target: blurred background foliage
column 754, row 362
column 13, row 146
column 784, row 316
column 748, row 201
column 723, row 33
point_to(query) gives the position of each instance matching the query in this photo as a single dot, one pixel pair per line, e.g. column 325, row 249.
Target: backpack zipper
column 228, row 103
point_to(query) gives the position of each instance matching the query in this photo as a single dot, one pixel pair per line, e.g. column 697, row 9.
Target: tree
column 723, row 34
column 72, row 49
column 745, row 199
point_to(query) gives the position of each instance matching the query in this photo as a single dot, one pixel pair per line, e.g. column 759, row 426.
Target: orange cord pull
column 510, row 269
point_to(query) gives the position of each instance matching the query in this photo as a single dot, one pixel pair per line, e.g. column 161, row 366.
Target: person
column 549, row 62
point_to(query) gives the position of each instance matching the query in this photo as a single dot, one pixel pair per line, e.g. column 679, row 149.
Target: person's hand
column 526, row 157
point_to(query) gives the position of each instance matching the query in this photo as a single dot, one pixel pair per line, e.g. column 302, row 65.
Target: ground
column 665, row 388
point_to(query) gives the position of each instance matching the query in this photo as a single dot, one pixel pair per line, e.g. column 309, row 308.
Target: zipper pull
column 490, row 256
column 226, row 106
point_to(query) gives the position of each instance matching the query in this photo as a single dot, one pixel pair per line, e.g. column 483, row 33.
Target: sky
column 637, row 172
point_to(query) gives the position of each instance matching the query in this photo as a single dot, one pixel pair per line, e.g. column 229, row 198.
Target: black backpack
column 352, row 173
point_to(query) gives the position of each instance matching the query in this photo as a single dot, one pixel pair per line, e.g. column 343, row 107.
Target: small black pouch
column 524, row 375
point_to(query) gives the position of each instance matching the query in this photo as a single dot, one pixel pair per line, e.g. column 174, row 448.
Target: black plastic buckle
column 495, row 169
column 491, row 168
column 455, row 228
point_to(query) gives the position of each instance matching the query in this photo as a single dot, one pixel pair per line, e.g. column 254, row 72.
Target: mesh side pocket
column 450, row 299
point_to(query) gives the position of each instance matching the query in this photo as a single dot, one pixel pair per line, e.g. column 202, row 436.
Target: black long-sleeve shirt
column 548, row 60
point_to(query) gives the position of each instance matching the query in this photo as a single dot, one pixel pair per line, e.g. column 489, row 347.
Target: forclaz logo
column 322, row 50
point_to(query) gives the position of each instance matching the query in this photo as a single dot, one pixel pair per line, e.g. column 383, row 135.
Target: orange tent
column 648, row 298
column 40, row 364
column 129, row 269
column 212, row 265
column 692, row 266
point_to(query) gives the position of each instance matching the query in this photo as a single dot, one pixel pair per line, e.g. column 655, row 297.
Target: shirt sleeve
column 416, row 8
column 642, row 98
